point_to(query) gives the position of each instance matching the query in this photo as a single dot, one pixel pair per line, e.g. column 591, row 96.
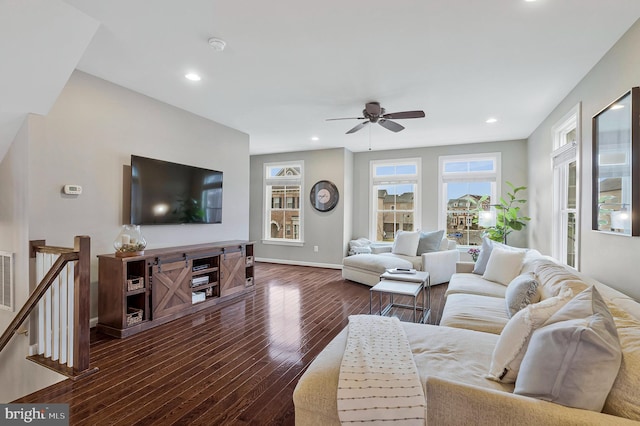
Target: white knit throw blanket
column 379, row 382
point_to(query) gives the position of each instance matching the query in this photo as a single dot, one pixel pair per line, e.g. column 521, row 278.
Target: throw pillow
column 503, row 265
column 483, row 257
column 429, row 241
column 514, row 339
column 406, row 243
column 574, row 358
column 521, row 291
column 485, row 253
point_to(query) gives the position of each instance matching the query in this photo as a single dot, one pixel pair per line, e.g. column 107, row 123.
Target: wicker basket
column 134, row 316
column 135, row 283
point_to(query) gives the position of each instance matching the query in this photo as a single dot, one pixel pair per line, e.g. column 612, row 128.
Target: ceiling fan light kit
column 374, row 113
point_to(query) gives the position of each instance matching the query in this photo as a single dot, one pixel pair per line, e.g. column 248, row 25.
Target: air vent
column 6, row 281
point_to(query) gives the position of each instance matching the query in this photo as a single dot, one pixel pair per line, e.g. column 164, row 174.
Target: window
column 283, row 185
column 565, row 188
column 394, row 198
column 464, row 181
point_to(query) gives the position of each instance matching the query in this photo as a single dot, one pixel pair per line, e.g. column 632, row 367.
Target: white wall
column 18, row 376
column 611, row 259
column 514, row 169
column 87, row 139
column 322, row 229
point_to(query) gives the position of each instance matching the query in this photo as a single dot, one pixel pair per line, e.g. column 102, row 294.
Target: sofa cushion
column 574, row 358
column 503, row 265
column 553, row 276
column 466, row 283
column 429, row 241
column 415, row 261
column 452, row 354
column 377, row 263
column 514, row 339
column 624, row 398
column 475, row 312
column 406, row 243
column 521, row 291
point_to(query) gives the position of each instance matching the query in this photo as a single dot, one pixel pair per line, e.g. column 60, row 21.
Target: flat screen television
column 169, row 193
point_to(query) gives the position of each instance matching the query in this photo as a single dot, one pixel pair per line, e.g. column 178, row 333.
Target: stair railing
column 62, row 299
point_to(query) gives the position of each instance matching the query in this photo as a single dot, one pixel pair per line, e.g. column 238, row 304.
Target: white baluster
column 70, row 310
column 40, row 259
column 63, row 315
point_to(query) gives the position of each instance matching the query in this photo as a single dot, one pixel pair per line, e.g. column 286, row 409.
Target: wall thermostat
column 73, row 189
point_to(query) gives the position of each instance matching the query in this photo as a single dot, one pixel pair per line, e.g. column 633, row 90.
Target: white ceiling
column 290, row 64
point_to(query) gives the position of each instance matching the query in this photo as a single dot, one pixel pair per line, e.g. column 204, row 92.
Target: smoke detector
column 217, row 44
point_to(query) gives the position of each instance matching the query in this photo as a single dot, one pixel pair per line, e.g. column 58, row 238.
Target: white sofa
column 366, row 268
column 453, row 361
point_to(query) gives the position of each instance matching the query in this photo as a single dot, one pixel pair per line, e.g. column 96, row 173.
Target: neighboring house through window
column 394, row 198
column 283, row 219
column 464, row 180
column 564, row 158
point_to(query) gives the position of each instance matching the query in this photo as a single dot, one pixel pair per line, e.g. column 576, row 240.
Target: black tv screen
column 168, row 193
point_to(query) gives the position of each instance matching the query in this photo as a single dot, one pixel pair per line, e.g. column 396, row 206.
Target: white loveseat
column 366, row 268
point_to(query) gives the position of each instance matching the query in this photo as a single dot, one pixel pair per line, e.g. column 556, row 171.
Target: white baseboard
column 93, row 322
column 299, row 263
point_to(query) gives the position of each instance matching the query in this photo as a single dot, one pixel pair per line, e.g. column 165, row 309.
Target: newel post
column 82, row 303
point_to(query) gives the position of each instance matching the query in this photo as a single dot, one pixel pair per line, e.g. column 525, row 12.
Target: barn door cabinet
column 139, row 292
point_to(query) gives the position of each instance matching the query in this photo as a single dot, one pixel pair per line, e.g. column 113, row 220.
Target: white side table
column 404, row 285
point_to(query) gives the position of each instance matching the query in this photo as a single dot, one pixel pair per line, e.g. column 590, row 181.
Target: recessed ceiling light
column 315, row 138
column 491, row 120
column 192, row 76
column 617, row 106
column 529, row 1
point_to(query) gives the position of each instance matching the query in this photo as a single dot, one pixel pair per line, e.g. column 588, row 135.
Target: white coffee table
column 404, row 285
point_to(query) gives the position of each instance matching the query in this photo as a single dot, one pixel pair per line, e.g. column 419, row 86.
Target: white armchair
column 439, row 264
column 366, row 268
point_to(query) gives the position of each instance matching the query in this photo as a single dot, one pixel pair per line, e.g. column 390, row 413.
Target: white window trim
column 560, row 157
column 464, row 177
column 266, row 220
column 415, row 179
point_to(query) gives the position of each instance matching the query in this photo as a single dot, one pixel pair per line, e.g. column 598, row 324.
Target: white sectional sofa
column 366, row 268
column 455, row 358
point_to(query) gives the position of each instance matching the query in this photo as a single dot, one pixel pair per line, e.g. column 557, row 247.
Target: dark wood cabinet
column 139, row 292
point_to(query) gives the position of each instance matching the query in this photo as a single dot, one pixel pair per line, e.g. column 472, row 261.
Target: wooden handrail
column 35, row 297
column 80, row 253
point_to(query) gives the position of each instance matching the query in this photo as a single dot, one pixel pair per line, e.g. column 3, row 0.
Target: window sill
column 283, row 243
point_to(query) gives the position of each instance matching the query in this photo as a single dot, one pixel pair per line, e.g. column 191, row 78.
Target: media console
column 140, row 292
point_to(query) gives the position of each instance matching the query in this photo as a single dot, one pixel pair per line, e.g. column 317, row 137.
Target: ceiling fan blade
column 390, row 125
column 405, row 114
column 344, row 118
column 358, row 127
column 373, row 108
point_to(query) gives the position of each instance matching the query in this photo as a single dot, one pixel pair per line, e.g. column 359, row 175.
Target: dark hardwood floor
column 234, row 364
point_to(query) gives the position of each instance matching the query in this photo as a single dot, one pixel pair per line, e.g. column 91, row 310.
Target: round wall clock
column 324, row 196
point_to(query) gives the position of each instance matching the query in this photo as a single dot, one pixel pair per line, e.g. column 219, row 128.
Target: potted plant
column 508, row 218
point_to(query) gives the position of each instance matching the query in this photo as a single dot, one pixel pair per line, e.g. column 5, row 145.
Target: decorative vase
column 129, row 241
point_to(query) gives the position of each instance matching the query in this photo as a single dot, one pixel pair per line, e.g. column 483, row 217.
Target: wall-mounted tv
column 168, row 193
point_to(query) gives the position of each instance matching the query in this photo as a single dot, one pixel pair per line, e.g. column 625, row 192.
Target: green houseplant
column 508, row 217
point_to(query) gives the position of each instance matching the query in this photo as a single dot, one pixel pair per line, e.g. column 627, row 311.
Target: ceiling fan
column 373, row 113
